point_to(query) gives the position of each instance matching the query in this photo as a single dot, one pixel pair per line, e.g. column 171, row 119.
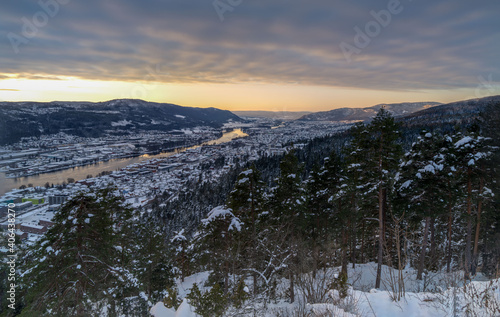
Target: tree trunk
column 315, row 246
column 353, row 230
column 254, row 236
column 362, row 251
column 226, row 278
column 421, row 261
column 478, row 227
column 397, row 234
column 292, row 288
column 380, row 236
column 353, row 241
column 432, row 255
column 380, row 215
column 468, row 239
column 255, row 290
column 344, row 252
column 450, row 222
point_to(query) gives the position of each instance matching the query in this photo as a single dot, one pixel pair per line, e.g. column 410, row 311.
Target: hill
column 87, row 119
column 362, row 114
column 458, row 112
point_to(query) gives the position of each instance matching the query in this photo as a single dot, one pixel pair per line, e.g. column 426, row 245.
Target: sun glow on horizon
column 234, row 97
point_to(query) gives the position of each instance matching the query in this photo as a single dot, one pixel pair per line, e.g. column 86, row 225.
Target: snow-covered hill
column 356, row 114
column 32, row 119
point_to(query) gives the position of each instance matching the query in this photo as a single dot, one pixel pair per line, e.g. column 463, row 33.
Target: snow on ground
column 184, row 310
column 437, row 295
column 159, row 310
column 198, row 278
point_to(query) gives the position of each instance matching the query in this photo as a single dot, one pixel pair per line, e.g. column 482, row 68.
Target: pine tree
column 358, row 194
column 372, row 159
column 491, row 131
column 327, row 215
column 180, row 244
column 216, row 243
column 452, row 193
column 79, row 266
column 422, row 184
column 287, row 205
column 471, row 156
column 247, row 202
column 387, row 152
column 152, row 259
column 317, row 213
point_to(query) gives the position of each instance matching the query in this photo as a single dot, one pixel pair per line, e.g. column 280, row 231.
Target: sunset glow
column 248, row 96
column 287, row 56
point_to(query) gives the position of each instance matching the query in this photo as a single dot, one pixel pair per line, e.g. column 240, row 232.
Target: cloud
column 426, row 46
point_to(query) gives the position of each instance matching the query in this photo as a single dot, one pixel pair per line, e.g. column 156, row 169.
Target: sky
column 282, row 55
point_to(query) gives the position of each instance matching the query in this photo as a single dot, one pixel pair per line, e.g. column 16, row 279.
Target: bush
column 212, row 303
column 172, row 300
column 240, row 295
column 340, row 284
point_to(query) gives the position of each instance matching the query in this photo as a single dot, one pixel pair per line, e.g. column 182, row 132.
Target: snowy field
column 437, row 295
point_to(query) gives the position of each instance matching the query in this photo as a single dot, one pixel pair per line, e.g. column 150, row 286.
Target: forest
column 431, row 204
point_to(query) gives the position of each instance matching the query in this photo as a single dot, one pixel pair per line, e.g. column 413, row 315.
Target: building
column 23, row 206
column 57, row 199
column 4, row 209
column 46, row 223
column 22, row 235
column 34, row 200
column 32, row 228
column 53, row 208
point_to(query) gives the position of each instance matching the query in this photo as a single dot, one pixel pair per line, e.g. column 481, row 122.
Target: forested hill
column 459, row 112
column 354, row 114
column 87, row 119
column 417, row 113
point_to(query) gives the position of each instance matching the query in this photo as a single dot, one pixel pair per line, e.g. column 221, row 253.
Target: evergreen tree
column 372, row 160
column 325, row 209
column 179, row 243
column 471, row 156
column 387, row 152
column 358, row 193
column 151, row 260
column 287, row 205
column 79, row 268
column 317, row 212
column 247, row 202
column 216, row 245
column 422, row 184
column 491, row 130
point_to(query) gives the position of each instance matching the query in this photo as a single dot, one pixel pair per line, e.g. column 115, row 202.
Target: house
column 45, row 223
column 32, row 228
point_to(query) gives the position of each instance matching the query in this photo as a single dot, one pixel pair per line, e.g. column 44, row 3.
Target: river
column 81, row 172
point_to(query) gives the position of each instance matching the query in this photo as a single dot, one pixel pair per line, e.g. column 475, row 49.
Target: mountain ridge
column 461, row 108
column 366, row 113
column 93, row 119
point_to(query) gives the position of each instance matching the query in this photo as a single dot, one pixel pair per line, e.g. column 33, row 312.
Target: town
column 167, row 172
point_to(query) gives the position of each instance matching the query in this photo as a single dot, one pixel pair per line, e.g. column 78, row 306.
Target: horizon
column 243, row 56
column 247, row 110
